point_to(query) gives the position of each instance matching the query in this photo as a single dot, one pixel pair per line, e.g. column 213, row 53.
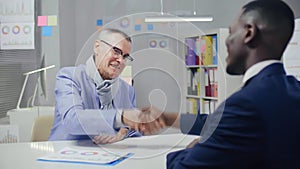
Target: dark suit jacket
column 258, row 127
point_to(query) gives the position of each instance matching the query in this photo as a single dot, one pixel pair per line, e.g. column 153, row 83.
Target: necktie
column 105, row 94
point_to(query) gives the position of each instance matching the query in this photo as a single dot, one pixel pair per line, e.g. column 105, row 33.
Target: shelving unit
column 207, row 83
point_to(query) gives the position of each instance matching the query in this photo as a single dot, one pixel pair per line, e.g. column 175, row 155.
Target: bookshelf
column 207, row 84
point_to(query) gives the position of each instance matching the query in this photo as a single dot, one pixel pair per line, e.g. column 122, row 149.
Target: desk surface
column 149, row 152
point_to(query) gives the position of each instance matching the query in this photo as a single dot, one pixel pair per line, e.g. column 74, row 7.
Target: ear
column 250, row 33
column 96, row 46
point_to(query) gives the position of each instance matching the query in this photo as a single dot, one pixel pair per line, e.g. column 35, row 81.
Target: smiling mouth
column 115, row 66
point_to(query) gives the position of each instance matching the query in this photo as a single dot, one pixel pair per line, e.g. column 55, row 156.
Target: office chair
column 41, row 128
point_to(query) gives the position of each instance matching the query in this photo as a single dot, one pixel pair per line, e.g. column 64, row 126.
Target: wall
column 295, row 5
column 78, row 23
column 13, row 63
column 77, row 17
column 51, row 50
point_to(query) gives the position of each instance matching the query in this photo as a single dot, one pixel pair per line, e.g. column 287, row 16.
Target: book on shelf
column 208, row 106
column 212, row 106
column 206, row 84
column 190, row 57
column 193, row 84
column 190, row 80
column 214, row 50
column 192, row 105
column 198, row 50
column 206, row 50
column 198, row 81
column 205, row 107
column 211, row 83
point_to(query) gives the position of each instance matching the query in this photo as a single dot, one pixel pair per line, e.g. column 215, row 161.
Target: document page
column 72, row 155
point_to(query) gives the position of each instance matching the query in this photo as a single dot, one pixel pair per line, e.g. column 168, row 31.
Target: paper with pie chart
column 85, row 156
column 17, row 35
column 17, row 24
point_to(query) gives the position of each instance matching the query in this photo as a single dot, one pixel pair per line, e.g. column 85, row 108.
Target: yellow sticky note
column 52, row 20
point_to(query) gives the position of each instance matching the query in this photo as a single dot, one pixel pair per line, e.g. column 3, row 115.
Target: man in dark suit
column 258, row 127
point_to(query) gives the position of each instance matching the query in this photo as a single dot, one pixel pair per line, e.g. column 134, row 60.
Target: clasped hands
column 148, row 120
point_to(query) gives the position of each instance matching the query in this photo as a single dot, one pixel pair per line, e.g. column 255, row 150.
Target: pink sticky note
column 138, row 21
column 42, row 21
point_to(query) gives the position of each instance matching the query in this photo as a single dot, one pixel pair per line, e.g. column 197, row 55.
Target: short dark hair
column 275, row 14
column 112, row 30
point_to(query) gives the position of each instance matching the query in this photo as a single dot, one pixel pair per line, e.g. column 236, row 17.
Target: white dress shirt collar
column 256, row 68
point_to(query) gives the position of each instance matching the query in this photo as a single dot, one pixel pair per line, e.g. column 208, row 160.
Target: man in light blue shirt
column 91, row 99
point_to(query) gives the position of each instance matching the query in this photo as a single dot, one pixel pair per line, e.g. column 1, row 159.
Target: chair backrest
column 41, row 128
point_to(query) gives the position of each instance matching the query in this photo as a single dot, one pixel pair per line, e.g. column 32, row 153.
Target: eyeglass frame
column 118, row 51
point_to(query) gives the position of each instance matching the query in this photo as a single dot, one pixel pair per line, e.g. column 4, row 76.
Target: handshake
column 148, row 120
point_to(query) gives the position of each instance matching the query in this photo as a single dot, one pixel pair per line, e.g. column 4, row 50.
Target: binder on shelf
column 198, row 51
column 190, row 89
column 213, row 82
column 192, row 105
column 193, row 81
column 206, row 50
column 214, row 50
column 198, row 82
column 188, row 106
column 205, row 107
column 212, row 106
column 190, row 57
column 189, row 81
column 207, row 84
column 204, row 82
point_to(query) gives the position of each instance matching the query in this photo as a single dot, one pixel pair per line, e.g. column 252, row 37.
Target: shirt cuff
column 118, row 120
column 133, row 133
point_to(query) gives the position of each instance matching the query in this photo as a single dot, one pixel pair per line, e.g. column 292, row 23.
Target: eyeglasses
column 118, row 52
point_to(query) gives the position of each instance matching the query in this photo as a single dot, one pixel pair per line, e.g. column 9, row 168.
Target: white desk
column 149, row 152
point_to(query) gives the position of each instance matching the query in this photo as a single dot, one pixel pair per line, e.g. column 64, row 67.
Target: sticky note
column 42, row 21
column 47, row 31
column 99, row 22
column 150, row 27
column 98, row 28
column 52, row 20
column 137, row 27
column 138, row 21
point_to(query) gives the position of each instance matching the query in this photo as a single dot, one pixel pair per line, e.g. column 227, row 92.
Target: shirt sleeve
column 76, row 119
column 192, row 123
